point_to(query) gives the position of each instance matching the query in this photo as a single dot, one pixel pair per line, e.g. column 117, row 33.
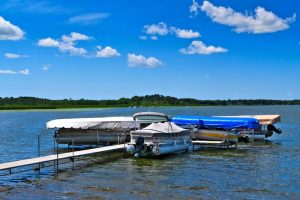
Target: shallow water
column 254, row 171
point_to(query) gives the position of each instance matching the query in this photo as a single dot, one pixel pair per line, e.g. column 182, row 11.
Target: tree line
column 148, row 100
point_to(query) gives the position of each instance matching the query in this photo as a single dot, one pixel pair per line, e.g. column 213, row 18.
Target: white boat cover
column 263, row 119
column 94, row 123
column 166, row 127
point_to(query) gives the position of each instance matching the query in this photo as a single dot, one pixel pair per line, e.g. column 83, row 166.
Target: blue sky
column 111, row 49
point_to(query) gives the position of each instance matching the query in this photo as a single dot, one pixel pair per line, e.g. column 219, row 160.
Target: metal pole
column 39, row 151
column 73, row 154
column 97, row 138
column 56, row 156
column 124, row 151
column 54, row 151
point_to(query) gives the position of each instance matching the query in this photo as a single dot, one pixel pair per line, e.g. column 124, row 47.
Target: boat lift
column 222, row 144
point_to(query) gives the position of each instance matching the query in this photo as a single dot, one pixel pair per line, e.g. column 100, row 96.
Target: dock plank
column 37, row 160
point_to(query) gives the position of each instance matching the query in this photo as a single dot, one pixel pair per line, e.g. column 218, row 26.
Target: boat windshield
column 151, row 117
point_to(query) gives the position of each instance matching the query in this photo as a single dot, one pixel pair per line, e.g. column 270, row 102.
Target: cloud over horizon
column 66, row 43
column 262, row 22
column 11, row 72
column 8, row 31
column 106, row 52
column 198, row 47
column 88, row 18
column 13, row 55
column 141, row 61
column 162, row 29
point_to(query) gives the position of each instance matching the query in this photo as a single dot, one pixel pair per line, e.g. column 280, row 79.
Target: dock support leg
column 56, row 157
column 73, row 154
column 39, row 151
column 124, row 150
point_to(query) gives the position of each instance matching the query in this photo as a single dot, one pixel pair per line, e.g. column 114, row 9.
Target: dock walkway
column 56, row 157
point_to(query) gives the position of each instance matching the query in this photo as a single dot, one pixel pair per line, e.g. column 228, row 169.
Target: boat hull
column 157, row 149
column 214, row 135
column 169, row 149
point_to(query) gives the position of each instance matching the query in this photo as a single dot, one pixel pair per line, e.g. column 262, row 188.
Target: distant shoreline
column 133, row 107
column 33, row 103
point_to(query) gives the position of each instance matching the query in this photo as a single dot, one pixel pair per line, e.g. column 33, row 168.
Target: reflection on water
column 253, row 171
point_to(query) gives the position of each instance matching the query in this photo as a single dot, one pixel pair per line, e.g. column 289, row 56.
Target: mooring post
column 39, row 151
column 56, row 156
column 73, row 153
column 124, row 150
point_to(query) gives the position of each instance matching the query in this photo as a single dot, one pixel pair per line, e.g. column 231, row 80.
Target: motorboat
column 92, row 131
column 265, row 129
column 225, row 129
column 160, row 137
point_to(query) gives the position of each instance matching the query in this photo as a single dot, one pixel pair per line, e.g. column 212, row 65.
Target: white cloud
column 89, row 18
column 33, row 6
column 161, row 29
column 141, row 61
column 183, row 33
column 66, row 43
column 9, row 31
column 156, row 29
column 194, row 8
column 106, row 52
column 13, row 55
column 48, row 42
column 198, row 47
column 8, row 71
column 262, row 22
column 25, row 72
column 75, row 37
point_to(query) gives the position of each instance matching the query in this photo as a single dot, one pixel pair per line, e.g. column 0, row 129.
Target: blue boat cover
column 216, row 122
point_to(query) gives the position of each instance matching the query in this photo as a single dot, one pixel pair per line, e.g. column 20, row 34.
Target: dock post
column 73, row 154
column 56, row 156
column 124, row 150
column 39, row 151
column 97, row 138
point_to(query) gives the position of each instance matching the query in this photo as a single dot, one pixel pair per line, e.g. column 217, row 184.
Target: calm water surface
column 253, row 171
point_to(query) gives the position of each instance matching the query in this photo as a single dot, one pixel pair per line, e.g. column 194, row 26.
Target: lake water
column 253, row 171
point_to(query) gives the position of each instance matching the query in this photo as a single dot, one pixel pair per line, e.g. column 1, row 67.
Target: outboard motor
column 271, row 127
column 139, row 142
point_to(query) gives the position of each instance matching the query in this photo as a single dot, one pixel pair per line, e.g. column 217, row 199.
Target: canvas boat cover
column 165, row 127
column 263, row 119
column 94, row 123
column 217, row 122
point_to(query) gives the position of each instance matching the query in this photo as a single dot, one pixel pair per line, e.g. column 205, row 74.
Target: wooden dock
column 57, row 157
